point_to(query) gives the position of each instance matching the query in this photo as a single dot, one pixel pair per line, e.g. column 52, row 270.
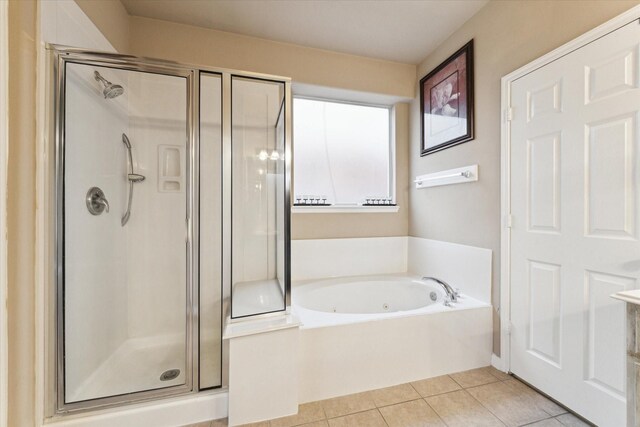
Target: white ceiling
column 396, row 30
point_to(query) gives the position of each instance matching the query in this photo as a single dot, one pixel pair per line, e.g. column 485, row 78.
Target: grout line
column 488, row 410
column 323, row 411
column 400, row 403
column 478, row 385
column 495, row 376
column 352, row 413
column 382, row 416
column 441, row 393
column 454, row 380
column 385, row 420
column 414, row 389
column 349, row 414
column 587, row 422
column 434, row 411
column 533, row 422
column 535, row 391
column 482, row 385
column 561, row 423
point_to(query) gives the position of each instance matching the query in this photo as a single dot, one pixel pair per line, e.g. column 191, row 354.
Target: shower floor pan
column 136, row 365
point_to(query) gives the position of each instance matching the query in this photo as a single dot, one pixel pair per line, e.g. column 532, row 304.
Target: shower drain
column 169, row 375
column 385, row 306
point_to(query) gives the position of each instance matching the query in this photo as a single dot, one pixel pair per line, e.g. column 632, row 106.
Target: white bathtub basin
column 335, row 301
column 366, row 295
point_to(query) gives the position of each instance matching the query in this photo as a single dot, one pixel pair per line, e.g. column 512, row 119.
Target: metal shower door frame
column 60, row 57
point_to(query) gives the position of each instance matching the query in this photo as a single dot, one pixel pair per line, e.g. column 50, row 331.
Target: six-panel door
column 575, row 204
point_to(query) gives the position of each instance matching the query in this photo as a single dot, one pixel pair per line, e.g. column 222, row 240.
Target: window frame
column 391, row 179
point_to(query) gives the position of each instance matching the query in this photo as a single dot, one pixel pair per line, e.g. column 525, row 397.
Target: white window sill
column 344, row 209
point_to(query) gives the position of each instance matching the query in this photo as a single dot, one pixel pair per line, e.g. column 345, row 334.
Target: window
column 343, row 153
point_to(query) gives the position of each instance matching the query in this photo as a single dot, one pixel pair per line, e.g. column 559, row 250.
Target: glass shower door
column 125, row 253
column 259, row 197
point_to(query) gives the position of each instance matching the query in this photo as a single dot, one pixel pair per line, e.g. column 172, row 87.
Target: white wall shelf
column 447, row 177
column 344, row 209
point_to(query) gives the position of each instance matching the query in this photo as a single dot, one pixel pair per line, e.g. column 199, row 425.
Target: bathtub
column 338, row 301
column 368, row 332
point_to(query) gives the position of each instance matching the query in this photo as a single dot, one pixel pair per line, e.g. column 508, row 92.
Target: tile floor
column 480, row 397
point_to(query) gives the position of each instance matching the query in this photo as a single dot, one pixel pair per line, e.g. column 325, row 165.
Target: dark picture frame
column 446, row 103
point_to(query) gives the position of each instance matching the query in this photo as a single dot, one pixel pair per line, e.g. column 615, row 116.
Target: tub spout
column 452, row 294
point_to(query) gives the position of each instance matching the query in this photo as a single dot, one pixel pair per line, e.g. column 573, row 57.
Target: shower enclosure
column 171, row 214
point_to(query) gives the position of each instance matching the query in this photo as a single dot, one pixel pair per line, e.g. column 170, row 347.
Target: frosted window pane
column 341, row 151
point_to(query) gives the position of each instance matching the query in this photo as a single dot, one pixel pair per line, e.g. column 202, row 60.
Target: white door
column 575, row 199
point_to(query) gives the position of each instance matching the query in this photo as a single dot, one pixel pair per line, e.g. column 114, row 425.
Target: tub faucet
column 452, row 294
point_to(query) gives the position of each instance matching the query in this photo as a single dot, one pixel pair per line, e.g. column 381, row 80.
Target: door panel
column 543, row 183
column 605, row 363
column 609, row 190
column 612, row 76
column 574, row 240
column 544, row 311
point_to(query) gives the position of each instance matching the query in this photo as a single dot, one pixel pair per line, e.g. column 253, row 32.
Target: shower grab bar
column 132, row 177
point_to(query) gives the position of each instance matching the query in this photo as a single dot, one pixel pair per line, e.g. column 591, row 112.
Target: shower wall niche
column 165, row 206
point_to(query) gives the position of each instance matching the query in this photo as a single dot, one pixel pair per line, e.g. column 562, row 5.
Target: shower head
column 126, row 142
column 110, row 90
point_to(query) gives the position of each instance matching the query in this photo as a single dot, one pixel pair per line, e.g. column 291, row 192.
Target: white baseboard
column 498, row 363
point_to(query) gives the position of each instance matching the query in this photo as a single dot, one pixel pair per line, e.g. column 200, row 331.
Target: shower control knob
column 96, row 201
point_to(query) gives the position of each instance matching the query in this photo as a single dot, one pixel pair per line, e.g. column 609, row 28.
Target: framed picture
column 446, row 103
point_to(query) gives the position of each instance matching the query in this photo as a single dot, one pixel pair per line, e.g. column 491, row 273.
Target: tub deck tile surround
column 475, row 398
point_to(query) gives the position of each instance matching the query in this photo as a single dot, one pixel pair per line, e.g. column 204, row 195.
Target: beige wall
column 111, row 18
column 194, row 45
column 507, row 35
column 21, row 211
